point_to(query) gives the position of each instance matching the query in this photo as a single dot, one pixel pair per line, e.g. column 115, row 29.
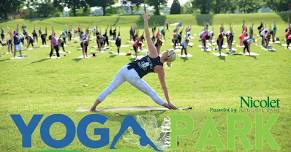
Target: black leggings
column 84, row 45
column 70, row 36
column 57, row 51
column 2, row 37
column 184, row 50
column 246, row 47
column 43, row 40
column 135, row 49
column 30, row 43
column 63, row 46
column 175, row 42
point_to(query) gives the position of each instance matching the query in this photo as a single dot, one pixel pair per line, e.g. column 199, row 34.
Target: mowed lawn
column 38, row 85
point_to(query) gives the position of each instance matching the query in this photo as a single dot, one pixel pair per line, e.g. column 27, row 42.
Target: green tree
column 156, row 4
column 44, row 8
column 58, row 4
column 224, row 6
column 9, row 6
column 135, row 3
column 203, row 5
column 220, row 6
column 249, row 6
column 231, row 6
column 176, row 7
column 279, row 5
column 187, row 8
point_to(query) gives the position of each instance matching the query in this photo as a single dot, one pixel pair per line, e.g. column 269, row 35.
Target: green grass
column 38, row 85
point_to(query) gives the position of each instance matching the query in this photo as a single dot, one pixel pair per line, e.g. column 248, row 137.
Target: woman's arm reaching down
column 153, row 53
column 161, row 75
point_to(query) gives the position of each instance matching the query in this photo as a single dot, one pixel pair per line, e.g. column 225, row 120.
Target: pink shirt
column 54, row 41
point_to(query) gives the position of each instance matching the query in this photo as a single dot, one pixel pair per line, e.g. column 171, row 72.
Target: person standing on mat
column 118, row 43
column 30, row 41
column 34, row 35
column 62, row 44
column 229, row 39
column 9, row 43
column 184, row 44
column 136, row 70
column 219, row 42
column 54, row 44
column 17, row 42
column 43, row 37
column 247, row 44
column 84, row 43
column 274, row 32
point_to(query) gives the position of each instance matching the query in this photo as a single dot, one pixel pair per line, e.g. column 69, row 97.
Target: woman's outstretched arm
column 153, row 53
column 161, row 75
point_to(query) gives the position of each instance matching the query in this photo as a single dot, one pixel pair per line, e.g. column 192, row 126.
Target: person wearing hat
column 136, row 70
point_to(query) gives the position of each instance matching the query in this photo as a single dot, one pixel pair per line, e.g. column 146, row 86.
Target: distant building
column 129, row 8
column 265, row 10
column 96, row 11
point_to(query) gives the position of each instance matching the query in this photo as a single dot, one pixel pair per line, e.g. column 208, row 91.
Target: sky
column 182, row 2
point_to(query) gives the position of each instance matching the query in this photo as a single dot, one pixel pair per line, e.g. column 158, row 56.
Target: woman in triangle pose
column 136, row 70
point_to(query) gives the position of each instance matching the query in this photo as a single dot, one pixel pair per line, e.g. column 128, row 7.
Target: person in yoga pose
column 136, row 70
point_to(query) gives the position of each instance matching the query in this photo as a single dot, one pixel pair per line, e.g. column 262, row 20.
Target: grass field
column 40, row 85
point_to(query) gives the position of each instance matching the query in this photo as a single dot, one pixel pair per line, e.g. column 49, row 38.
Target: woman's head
column 169, row 56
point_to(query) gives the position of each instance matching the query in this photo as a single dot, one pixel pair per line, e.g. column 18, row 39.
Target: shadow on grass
column 39, row 61
column 203, row 19
column 254, row 57
column 4, row 60
column 113, row 55
column 154, row 21
column 251, row 56
column 222, row 58
column 184, row 59
column 286, row 16
column 77, row 59
column 272, row 51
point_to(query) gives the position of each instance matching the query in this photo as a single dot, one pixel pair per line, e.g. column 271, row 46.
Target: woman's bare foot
column 93, row 108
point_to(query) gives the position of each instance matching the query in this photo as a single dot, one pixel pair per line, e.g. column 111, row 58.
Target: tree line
column 46, row 8
column 243, row 6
